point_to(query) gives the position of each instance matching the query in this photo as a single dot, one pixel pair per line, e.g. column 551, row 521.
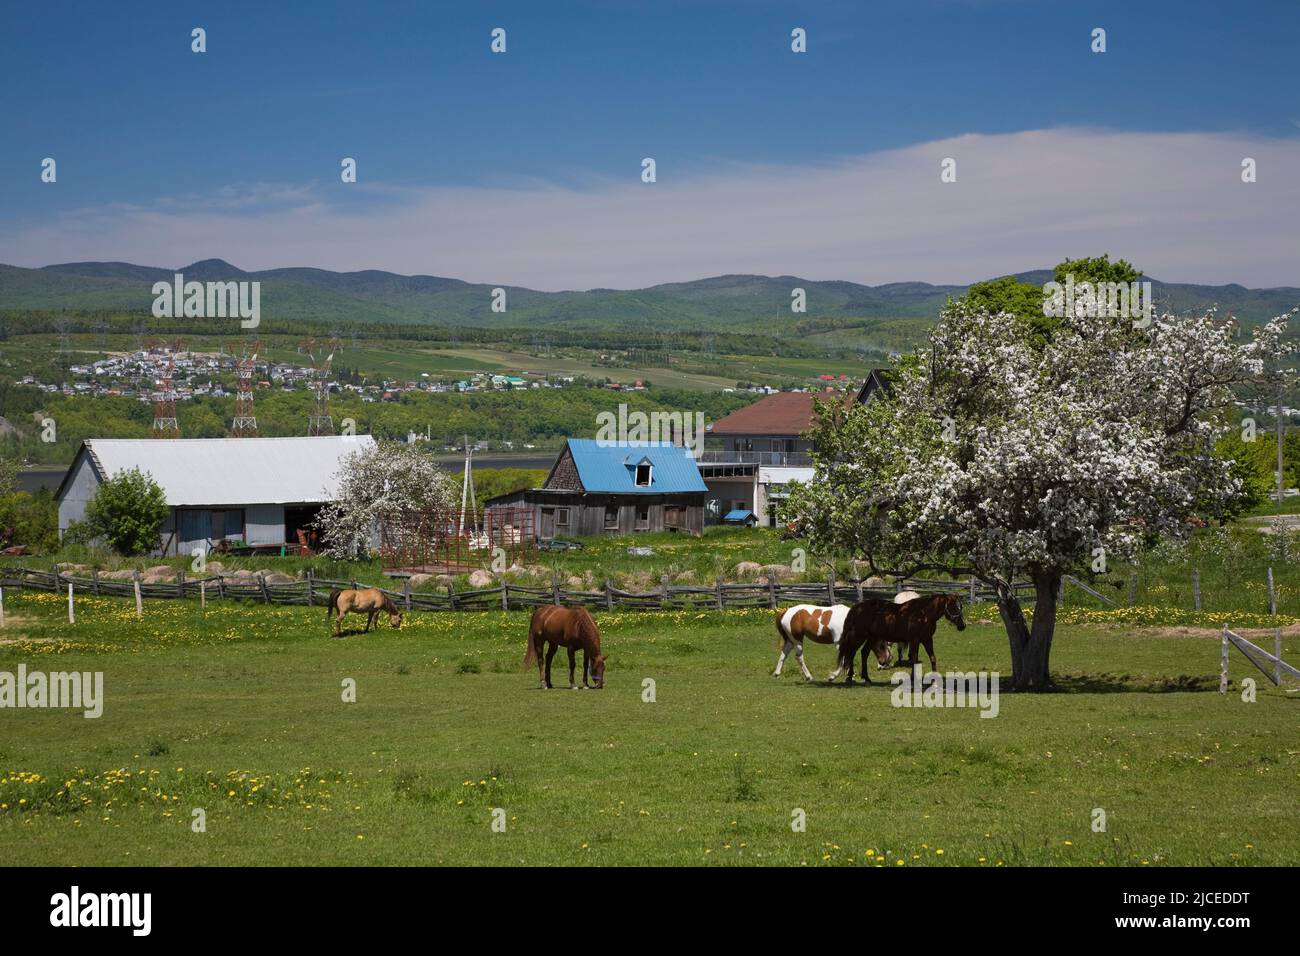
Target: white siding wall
column 264, row 524
column 79, row 490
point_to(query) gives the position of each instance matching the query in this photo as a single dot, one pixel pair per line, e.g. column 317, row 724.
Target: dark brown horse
column 860, row 634
column 368, row 601
column 874, row 621
column 571, row 628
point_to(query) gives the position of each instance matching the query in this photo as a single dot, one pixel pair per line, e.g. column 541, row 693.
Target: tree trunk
column 1031, row 645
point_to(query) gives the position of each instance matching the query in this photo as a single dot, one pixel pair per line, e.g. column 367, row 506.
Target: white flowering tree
column 1010, row 454
column 380, row 483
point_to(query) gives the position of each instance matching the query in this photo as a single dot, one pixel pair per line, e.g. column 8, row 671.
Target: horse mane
column 587, row 628
column 389, row 606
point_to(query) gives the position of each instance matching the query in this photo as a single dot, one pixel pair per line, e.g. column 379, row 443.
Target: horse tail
column 530, row 655
column 847, row 646
column 781, row 635
column 332, row 605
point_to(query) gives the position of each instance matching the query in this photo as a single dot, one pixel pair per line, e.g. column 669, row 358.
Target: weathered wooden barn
column 249, row 491
column 596, row 488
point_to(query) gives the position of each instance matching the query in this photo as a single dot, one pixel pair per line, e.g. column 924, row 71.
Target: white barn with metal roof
column 253, row 491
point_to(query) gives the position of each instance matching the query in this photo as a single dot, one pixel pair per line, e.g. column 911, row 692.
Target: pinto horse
column 823, row 625
column 368, row 601
column 911, row 623
column 571, row 628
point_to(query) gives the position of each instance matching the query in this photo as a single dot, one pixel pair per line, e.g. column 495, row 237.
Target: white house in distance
column 257, row 491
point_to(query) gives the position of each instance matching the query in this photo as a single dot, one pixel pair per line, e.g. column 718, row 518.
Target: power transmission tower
column 165, row 422
column 244, row 424
column 467, row 493
column 320, row 422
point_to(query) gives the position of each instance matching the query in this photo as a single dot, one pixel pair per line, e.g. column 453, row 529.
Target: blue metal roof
column 739, row 514
column 612, row 468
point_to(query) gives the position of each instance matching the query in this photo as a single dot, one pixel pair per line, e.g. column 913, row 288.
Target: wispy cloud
column 1173, row 203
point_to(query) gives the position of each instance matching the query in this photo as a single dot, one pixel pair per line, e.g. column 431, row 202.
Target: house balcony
column 787, row 459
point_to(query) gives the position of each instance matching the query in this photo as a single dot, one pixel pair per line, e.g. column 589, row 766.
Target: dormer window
column 643, row 474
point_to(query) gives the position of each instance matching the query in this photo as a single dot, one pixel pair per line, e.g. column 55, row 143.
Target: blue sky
column 142, row 128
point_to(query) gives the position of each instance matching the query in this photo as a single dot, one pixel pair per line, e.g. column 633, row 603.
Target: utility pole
column 1280, row 482
column 467, row 492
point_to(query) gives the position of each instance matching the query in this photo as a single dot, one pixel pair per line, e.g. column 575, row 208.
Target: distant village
column 141, row 374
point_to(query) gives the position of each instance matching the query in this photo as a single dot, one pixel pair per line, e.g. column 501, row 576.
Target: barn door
column 548, row 522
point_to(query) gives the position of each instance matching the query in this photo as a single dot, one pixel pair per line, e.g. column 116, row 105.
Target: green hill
column 722, row 303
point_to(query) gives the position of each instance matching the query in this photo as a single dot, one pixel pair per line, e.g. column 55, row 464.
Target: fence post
column 221, row 587
column 972, row 589
column 663, row 587
column 1272, row 595
column 718, row 591
column 94, row 582
column 139, row 600
column 771, row 590
column 1196, row 588
column 609, row 595
column 72, row 611
column 505, row 595
column 203, row 595
column 406, row 589
column 2, row 607
column 830, row 585
column 1277, row 652
column 180, row 583
column 555, row 589
column 451, row 598
column 1223, row 663
column 1133, row 588
column 261, row 580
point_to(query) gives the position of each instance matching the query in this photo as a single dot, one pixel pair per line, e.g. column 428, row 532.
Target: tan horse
column 571, row 628
column 368, row 601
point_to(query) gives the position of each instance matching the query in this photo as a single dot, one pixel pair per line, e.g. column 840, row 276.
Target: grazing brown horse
column 912, row 623
column 571, row 628
column 368, row 601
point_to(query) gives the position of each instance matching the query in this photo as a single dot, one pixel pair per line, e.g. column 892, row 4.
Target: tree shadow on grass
column 1134, row 684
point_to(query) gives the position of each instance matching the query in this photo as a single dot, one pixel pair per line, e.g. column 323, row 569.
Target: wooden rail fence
column 312, row 591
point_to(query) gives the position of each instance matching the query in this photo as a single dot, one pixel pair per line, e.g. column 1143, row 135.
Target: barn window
column 611, row 517
column 561, row 517
column 642, row 517
column 643, row 474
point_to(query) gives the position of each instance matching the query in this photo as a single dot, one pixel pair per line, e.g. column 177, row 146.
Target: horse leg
column 550, row 655
column 572, row 684
column 338, row 622
column 866, row 667
column 539, row 644
column 370, row 619
column 835, row 673
column 780, row 661
column 586, row 666
column 929, row 649
column 798, row 653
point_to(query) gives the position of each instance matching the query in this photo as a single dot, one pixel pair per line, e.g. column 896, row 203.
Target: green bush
column 127, row 512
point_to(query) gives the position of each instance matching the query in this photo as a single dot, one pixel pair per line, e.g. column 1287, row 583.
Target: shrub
column 127, row 512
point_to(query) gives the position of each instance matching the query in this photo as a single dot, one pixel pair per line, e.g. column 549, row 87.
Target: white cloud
column 1173, row 203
